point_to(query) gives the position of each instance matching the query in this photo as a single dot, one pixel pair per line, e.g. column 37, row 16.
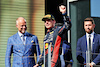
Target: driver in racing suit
column 54, row 36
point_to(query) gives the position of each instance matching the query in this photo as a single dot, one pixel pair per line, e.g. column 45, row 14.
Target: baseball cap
column 48, row 16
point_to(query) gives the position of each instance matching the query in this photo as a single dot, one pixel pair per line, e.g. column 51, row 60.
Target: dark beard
column 90, row 32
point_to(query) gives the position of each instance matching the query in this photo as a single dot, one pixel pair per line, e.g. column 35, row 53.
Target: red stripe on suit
column 56, row 51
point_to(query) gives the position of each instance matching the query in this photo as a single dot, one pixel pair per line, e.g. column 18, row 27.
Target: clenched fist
column 62, row 9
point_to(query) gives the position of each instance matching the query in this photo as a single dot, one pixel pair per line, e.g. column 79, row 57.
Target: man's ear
column 94, row 25
column 16, row 25
column 54, row 21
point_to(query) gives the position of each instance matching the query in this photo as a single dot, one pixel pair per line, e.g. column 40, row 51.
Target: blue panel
column 95, row 8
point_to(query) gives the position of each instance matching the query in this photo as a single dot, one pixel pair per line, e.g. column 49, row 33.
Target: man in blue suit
column 83, row 44
column 23, row 45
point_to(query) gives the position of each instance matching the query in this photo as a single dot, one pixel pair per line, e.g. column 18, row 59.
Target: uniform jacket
column 23, row 55
column 55, row 36
column 82, row 47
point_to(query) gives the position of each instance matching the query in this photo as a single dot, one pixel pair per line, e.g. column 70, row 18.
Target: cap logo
column 48, row 16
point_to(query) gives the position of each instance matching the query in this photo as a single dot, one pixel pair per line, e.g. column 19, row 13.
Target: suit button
column 28, row 56
column 18, row 63
column 18, row 50
column 29, row 62
column 30, row 49
column 22, row 63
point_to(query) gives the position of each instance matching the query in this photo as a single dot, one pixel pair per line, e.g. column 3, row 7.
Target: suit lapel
column 94, row 40
column 18, row 44
column 28, row 44
column 85, row 43
column 18, row 39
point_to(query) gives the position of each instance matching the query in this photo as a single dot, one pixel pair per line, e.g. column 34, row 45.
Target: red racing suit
column 55, row 36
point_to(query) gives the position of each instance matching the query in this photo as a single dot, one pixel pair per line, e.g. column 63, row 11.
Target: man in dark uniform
column 54, row 36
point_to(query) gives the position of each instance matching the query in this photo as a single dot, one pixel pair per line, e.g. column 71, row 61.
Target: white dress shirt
column 20, row 34
column 87, row 37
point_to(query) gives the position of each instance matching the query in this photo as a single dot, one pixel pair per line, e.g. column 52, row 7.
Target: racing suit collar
column 49, row 30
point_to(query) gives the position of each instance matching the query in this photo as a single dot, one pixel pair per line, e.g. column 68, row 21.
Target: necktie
column 23, row 39
column 90, row 47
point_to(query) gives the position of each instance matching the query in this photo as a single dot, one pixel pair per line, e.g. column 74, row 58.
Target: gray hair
column 18, row 19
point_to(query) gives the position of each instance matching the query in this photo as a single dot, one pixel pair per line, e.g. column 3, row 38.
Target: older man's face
column 21, row 25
